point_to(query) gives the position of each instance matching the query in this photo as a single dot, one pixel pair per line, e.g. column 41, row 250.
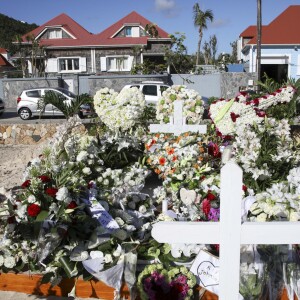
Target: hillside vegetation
column 10, row 28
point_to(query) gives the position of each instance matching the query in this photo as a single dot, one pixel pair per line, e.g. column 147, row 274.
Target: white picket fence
column 230, row 233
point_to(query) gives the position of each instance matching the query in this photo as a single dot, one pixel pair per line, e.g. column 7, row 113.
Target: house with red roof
column 71, row 49
column 5, row 65
column 280, row 46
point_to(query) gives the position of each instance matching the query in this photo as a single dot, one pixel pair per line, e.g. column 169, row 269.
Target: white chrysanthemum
column 9, row 262
column 63, row 195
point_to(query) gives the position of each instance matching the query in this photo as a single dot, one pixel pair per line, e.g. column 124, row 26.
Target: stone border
column 29, row 134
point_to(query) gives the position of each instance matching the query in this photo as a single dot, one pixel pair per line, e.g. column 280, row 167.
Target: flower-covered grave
column 87, row 204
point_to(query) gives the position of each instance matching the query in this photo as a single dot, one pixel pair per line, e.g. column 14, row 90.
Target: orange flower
column 162, row 161
column 149, row 160
column 157, row 171
column 170, row 151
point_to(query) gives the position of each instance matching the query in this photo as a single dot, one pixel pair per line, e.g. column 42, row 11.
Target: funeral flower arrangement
column 193, row 105
column 83, row 208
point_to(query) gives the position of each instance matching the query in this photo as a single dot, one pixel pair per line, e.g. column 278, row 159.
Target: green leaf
column 42, row 216
column 46, row 278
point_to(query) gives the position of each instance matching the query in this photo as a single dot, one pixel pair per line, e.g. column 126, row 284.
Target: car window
column 58, row 94
column 34, row 94
column 137, row 86
column 150, row 90
column 67, row 92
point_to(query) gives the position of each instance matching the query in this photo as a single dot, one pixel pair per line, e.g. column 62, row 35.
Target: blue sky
column 231, row 17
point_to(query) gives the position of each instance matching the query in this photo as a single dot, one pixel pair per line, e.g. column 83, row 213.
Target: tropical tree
column 200, row 20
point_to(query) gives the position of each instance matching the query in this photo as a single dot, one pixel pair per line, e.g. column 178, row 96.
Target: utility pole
column 258, row 53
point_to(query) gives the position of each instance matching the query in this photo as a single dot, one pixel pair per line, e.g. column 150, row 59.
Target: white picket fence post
column 229, row 232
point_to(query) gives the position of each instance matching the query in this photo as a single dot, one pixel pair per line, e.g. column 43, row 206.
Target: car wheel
column 25, row 113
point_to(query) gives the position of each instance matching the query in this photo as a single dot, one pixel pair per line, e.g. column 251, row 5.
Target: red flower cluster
column 72, row 205
column 51, row 191
column 26, row 184
column 33, row 210
column 45, row 178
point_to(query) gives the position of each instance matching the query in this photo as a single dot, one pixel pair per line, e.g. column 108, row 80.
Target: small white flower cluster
column 119, row 112
column 128, row 179
column 13, row 252
column 248, row 146
column 277, row 203
column 193, row 106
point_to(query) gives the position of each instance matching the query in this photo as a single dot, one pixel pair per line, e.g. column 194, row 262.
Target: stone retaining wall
column 30, row 134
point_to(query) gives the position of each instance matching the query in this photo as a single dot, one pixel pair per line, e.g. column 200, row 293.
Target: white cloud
column 165, row 5
column 219, row 23
column 168, row 7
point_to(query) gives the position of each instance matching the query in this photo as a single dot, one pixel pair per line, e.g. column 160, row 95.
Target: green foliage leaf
column 42, row 216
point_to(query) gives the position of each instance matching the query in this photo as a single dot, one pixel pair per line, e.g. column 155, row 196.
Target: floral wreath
column 119, row 112
column 227, row 115
column 193, row 106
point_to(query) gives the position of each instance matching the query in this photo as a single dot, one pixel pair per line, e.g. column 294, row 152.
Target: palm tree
column 200, row 20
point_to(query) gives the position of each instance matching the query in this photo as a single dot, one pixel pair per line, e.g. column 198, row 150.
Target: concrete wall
column 12, row 87
column 205, row 85
column 222, row 85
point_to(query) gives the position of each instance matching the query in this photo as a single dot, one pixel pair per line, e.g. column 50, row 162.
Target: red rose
column 45, row 178
column 213, row 149
column 245, row 188
column 33, row 210
column 26, row 184
column 51, row 191
column 210, row 196
column 206, row 206
column 72, row 205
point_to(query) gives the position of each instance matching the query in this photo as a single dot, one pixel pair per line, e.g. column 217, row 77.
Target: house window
column 119, row 63
column 55, row 34
column 128, row 31
column 69, row 64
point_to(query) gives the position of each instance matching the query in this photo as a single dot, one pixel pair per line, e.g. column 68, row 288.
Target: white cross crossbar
column 177, row 123
column 229, row 232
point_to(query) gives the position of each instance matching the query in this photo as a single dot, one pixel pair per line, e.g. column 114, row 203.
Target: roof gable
column 283, row 30
column 109, row 35
column 4, row 62
column 63, row 21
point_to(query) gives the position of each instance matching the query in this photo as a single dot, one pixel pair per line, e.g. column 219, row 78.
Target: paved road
column 10, row 116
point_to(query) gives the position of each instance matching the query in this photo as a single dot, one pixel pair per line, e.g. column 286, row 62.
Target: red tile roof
column 4, row 62
column 106, row 37
column 85, row 38
column 283, row 30
column 69, row 25
column 3, row 51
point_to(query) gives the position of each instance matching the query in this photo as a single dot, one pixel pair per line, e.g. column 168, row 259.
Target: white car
column 27, row 103
column 151, row 89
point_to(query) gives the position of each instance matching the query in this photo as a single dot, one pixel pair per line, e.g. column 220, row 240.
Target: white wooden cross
column 177, row 123
column 229, row 232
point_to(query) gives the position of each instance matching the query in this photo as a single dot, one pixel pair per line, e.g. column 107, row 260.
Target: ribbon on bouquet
column 98, row 212
column 112, row 277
